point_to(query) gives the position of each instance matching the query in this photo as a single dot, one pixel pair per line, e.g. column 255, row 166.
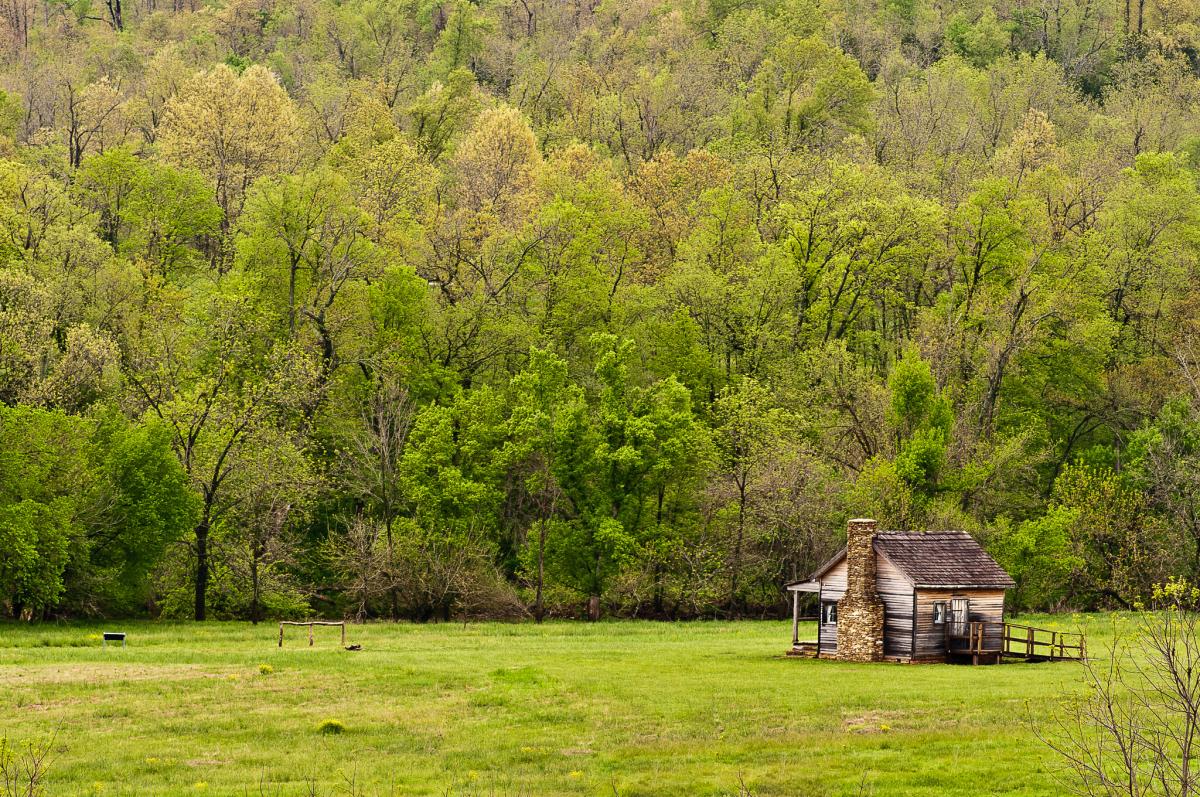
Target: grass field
column 615, row 708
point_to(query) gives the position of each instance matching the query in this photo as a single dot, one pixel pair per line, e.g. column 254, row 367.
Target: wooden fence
column 978, row 638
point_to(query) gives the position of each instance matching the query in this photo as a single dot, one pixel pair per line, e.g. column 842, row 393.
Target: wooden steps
column 804, row 650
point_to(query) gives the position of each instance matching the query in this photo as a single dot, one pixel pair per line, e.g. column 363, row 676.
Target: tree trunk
column 393, row 591
column 292, row 297
column 114, row 13
column 539, row 609
column 201, row 568
column 735, row 570
column 594, row 608
column 255, row 605
column 659, row 569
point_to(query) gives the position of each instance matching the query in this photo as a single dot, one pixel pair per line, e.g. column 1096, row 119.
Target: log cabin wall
column 897, row 595
column 833, row 589
column 896, row 591
column 985, row 604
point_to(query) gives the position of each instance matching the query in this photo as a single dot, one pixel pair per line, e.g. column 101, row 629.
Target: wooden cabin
column 906, row 596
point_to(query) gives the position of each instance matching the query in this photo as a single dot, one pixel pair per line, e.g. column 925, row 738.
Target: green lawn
column 616, row 708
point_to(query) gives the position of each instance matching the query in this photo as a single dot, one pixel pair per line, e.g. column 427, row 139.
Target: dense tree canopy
column 445, row 307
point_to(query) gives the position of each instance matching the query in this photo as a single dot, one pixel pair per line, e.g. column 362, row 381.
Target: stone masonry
column 860, row 611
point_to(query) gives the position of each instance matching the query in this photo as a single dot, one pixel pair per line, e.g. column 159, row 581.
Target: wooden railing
column 310, row 624
column 974, row 638
column 978, row 638
column 1029, row 642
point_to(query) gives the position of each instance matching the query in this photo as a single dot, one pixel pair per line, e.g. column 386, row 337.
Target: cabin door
column 959, row 611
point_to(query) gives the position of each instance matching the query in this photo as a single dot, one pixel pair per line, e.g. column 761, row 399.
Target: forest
column 437, row 309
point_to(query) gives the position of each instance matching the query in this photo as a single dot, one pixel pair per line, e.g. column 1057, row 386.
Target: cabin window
column 829, row 613
column 939, row 613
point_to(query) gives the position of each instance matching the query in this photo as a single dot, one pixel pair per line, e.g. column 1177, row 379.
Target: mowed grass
column 614, row 708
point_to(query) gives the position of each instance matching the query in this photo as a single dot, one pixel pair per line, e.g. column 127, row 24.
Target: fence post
column 310, row 635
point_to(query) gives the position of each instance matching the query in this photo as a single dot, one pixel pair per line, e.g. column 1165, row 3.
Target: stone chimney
column 860, row 611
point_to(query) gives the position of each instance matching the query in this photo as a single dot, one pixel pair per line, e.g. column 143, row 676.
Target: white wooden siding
column 833, row 588
column 896, row 591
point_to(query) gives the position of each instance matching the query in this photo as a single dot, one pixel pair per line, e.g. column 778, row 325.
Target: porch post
column 795, row 617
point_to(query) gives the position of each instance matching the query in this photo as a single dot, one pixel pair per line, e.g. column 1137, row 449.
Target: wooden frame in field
column 310, row 624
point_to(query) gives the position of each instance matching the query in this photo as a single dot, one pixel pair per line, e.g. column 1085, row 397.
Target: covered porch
column 808, row 648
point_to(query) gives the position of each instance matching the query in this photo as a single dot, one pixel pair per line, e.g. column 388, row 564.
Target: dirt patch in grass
column 107, row 673
column 872, row 722
column 577, row 751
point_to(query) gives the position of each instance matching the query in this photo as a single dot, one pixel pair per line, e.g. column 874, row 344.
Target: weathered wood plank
column 896, row 592
column 985, row 605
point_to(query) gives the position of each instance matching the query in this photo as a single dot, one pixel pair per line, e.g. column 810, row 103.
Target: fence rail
column 979, row 638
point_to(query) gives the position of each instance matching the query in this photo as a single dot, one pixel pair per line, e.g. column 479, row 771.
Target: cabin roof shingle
column 935, row 560
column 942, row 559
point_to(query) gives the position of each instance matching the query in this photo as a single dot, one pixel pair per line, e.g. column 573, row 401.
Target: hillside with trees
column 427, row 309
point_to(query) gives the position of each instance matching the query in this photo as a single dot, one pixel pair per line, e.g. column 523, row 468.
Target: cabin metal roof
column 934, row 560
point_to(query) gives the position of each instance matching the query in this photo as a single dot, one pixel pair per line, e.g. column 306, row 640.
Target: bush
column 265, row 669
column 329, row 727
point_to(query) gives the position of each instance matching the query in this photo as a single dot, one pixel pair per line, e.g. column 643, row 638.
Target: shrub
column 265, row 669
column 328, row 727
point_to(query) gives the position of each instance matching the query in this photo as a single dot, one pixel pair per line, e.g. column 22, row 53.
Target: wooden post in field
column 795, row 618
column 310, row 635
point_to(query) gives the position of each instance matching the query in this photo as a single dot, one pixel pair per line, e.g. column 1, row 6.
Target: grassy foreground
column 616, row 708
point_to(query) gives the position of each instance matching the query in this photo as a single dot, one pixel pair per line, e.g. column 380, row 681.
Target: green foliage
column 885, row 495
column 148, row 507
column 344, row 306
column 1177, row 594
column 1040, row 555
column 43, row 481
column 922, row 419
column 87, row 509
column 36, row 539
column 10, row 114
column 461, row 40
column 331, row 727
column 979, row 42
column 805, row 90
column 1112, row 534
